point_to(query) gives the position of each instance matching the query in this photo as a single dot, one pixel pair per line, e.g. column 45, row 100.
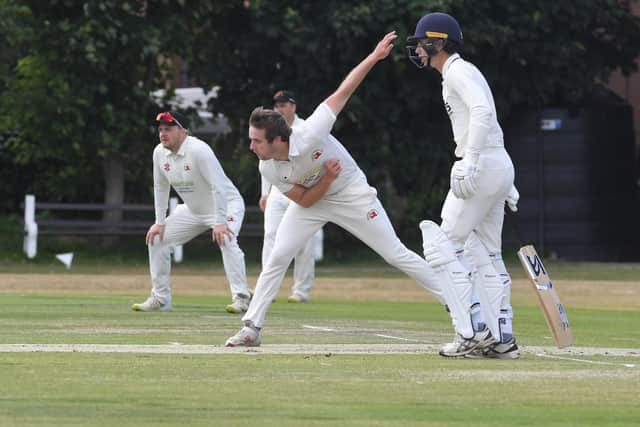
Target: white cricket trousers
column 305, row 264
column 480, row 218
column 181, row 227
column 484, row 212
column 365, row 218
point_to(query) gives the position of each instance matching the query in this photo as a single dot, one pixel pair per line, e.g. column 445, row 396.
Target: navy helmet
column 439, row 29
column 437, row 25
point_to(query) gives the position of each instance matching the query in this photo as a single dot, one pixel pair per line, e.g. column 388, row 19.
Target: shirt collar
column 181, row 151
column 448, row 62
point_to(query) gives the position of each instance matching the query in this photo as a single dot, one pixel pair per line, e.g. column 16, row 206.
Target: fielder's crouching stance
column 469, row 239
column 315, row 170
column 211, row 201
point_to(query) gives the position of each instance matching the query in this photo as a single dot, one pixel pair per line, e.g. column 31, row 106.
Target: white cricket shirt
column 310, row 146
column 266, row 187
column 469, row 103
column 196, row 175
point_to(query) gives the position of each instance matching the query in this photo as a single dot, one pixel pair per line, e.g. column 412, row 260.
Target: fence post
column 30, row 243
column 177, row 250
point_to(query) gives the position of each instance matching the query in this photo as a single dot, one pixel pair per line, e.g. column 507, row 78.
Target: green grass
column 103, row 319
column 252, row 389
column 290, row 390
column 112, row 389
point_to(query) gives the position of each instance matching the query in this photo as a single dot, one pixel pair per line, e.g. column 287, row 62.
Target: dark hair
column 272, row 122
column 450, row 46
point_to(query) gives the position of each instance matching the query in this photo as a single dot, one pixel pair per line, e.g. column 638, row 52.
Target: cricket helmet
column 439, row 26
column 439, row 29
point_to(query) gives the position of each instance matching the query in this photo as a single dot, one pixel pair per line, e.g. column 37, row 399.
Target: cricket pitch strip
column 305, row 349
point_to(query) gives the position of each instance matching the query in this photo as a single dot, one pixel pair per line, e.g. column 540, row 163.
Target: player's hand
column 384, row 46
column 154, row 230
column 262, row 203
column 463, row 179
column 512, row 199
column 221, row 234
column 333, row 168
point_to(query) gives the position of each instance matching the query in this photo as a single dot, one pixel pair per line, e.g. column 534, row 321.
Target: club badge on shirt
column 167, row 167
column 315, row 155
column 372, row 214
column 187, row 167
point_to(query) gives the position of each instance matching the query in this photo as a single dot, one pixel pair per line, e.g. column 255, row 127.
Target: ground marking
column 595, row 362
column 309, row 349
column 323, row 329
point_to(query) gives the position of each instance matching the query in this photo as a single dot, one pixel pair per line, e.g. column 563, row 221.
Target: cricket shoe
column 151, row 304
column 297, row 299
column 248, row 336
column 498, row 350
column 239, row 304
column 462, row 346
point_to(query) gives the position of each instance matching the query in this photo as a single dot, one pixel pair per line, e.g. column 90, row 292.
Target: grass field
column 362, row 353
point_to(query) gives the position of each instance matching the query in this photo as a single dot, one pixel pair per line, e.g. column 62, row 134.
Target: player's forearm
column 309, row 196
column 339, row 98
column 161, row 189
column 214, row 179
column 479, row 127
column 161, row 201
column 265, row 186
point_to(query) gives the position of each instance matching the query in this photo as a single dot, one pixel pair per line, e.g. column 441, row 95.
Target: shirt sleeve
column 270, row 174
column 314, row 130
column 468, row 83
column 214, row 176
column 161, row 187
column 265, row 185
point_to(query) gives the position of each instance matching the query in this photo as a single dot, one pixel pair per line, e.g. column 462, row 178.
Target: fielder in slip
column 211, row 202
column 553, row 310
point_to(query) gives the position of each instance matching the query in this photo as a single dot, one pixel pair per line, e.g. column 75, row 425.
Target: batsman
column 465, row 250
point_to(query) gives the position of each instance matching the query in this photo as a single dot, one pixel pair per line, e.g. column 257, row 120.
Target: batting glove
column 463, row 179
column 512, row 199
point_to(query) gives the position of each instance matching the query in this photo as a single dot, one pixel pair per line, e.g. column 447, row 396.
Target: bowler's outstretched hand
column 384, row 46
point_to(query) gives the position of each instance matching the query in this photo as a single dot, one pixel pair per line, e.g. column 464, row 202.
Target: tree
column 532, row 52
column 309, row 47
column 77, row 99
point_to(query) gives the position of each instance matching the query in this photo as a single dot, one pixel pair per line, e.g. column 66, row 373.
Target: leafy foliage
column 78, row 94
column 76, row 76
column 532, row 52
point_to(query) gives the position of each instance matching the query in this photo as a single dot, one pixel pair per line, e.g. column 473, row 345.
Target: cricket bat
column 553, row 310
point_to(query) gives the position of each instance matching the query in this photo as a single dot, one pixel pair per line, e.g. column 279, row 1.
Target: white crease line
column 595, row 362
column 320, row 328
column 319, row 349
column 396, row 338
